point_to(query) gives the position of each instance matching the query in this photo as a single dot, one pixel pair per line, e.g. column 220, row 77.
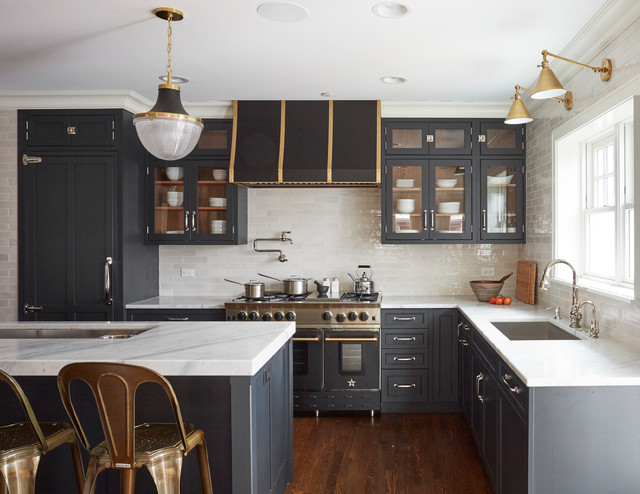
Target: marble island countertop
column 170, row 348
column 583, row 362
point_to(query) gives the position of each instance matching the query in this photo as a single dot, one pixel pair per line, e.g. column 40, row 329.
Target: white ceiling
column 455, row 50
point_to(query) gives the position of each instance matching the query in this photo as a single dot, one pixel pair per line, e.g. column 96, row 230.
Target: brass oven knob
column 242, row 316
column 327, row 316
column 266, row 317
column 364, row 316
column 340, row 317
column 254, row 316
column 290, row 316
column 278, row 316
column 352, row 316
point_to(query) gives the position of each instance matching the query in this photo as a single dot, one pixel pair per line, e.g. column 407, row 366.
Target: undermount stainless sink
column 68, row 333
column 532, row 330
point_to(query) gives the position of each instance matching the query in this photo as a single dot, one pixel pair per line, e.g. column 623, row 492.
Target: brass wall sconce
column 518, row 113
column 548, row 85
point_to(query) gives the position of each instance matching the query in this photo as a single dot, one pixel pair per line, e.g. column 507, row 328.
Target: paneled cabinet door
column 502, row 199
column 498, row 138
column 56, row 129
column 484, row 414
column 67, row 217
column 191, row 201
column 513, row 432
column 432, row 138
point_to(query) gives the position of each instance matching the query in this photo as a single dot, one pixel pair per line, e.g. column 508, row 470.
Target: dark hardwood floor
column 388, row 453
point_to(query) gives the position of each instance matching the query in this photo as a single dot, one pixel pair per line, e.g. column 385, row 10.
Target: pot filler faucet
column 283, row 238
column 575, row 314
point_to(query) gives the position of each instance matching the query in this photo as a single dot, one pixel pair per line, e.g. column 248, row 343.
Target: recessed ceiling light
column 391, row 79
column 175, row 79
column 326, row 95
column 391, row 10
column 282, row 11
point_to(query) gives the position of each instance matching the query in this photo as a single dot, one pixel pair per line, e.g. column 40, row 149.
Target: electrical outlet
column 487, row 272
column 187, row 272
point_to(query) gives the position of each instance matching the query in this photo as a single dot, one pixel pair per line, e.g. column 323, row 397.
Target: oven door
column 307, row 360
column 351, row 359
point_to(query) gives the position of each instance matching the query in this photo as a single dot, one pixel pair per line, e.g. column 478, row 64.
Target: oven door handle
column 315, row 338
column 372, row 338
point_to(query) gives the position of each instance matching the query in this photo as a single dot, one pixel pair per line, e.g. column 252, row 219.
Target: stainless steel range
column 336, row 347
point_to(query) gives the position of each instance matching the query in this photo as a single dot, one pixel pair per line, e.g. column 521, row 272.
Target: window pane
column 601, row 244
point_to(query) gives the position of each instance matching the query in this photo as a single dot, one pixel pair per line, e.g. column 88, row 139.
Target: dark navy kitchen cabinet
column 453, row 181
column 175, row 314
column 80, row 217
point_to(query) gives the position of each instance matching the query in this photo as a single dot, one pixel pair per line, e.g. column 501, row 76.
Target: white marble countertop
column 181, row 302
column 584, row 362
column 170, row 348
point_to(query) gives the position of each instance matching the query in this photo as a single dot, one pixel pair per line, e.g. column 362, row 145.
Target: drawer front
column 405, row 318
column 394, row 338
column 404, row 359
column 405, row 386
column 513, row 387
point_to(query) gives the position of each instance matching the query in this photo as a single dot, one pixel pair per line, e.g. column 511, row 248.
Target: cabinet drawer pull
column 396, row 318
column 404, row 338
column 516, row 389
column 479, row 378
column 426, row 220
column 31, row 308
column 433, row 220
column 404, row 359
column 194, row 225
column 177, row 318
column 404, row 385
column 186, row 221
column 108, row 300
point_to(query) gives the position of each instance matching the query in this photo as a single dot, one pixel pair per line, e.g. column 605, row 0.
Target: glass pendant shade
column 167, row 131
column 548, row 85
column 518, row 113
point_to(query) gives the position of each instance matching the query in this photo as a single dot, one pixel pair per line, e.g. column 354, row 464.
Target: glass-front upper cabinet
column 427, row 200
column 433, row 138
column 498, row 138
column 192, row 201
column 215, row 139
column 501, row 197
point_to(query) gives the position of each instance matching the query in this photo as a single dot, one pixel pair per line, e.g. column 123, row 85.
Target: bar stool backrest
column 22, row 398
column 114, row 389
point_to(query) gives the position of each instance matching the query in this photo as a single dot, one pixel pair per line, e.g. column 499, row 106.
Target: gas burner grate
column 274, row 297
column 359, row 297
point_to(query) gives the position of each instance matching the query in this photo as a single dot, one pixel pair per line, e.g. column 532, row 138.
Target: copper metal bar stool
column 127, row 447
column 22, row 444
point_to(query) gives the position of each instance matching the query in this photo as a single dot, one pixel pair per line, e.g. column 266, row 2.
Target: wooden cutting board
column 526, row 282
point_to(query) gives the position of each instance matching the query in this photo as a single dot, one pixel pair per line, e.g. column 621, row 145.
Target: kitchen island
column 232, row 380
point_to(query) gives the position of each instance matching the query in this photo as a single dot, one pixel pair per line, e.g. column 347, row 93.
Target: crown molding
column 445, row 109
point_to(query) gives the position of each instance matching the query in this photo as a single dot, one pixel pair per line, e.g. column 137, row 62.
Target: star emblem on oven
column 352, row 383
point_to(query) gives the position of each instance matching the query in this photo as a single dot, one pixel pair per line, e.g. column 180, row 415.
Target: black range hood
column 306, row 144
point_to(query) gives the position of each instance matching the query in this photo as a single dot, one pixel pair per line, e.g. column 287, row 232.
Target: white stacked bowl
column 217, row 202
column 449, row 207
column 406, row 205
column 219, row 174
column 218, row 226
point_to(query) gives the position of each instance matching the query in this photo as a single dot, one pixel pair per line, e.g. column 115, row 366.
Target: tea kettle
column 363, row 283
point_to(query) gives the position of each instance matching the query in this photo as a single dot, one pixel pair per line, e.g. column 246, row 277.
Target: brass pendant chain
column 169, row 67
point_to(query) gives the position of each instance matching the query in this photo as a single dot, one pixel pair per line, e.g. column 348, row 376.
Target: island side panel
column 262, row 427
column 584, row 439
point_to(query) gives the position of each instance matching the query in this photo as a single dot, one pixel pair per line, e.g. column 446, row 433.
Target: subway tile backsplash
column 333, row 231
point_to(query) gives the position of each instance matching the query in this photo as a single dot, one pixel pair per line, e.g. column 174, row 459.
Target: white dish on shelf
column 175, row 172
column 174, row 232
column 219, row 174
column 446, row 183
column 403, row 183
column 406, row 205
column 217, row 202
column 408, row 231
column 499, row 180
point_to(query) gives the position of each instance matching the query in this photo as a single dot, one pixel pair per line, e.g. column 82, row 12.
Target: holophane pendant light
column 167, row 131
column 518, row 114
column 548, row 85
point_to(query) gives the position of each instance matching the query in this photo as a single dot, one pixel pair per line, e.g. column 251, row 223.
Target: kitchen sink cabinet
column 190, row 201
column 175, row 314
column 419, row 360
column 469, row 188
column 80, row 217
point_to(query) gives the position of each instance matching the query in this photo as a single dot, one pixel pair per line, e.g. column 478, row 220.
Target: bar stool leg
column 20, row 473
column 203, row 462
column 3, row 485
column 127, row 480
column 166, row 473
column 92, row 474
column 77, row 465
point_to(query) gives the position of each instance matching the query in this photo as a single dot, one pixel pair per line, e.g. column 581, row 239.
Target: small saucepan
column 253, row 289
column 292, row 286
